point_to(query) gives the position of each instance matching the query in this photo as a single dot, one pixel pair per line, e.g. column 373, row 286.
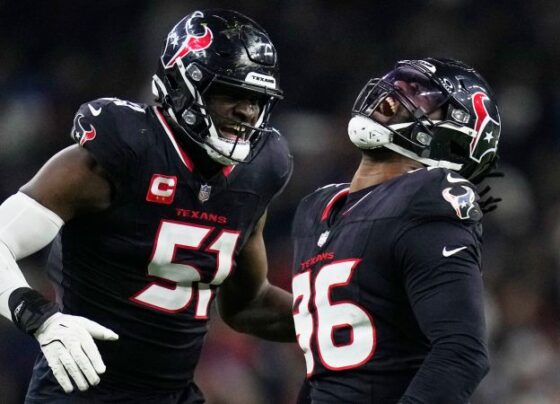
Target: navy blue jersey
column 148, row 267
column 383, row 279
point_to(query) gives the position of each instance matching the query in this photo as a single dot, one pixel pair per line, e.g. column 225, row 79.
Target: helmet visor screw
column 194, row 72
column 424, row 138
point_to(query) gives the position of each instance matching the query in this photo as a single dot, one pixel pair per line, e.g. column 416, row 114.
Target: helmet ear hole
column 456, row 151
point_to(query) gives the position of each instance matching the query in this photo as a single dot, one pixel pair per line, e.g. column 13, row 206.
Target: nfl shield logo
column 323, row 238
column 204, row 193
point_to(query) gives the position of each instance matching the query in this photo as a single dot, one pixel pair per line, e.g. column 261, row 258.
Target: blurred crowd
column 58, row 54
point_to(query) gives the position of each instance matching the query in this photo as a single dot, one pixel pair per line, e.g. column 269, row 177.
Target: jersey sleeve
column 99, row 126
column 440, row 267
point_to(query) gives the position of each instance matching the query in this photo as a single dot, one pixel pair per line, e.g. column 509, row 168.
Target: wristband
column 30, row 309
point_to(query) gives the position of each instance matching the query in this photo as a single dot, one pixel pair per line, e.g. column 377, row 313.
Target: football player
column 387, row 282
column 153, row 210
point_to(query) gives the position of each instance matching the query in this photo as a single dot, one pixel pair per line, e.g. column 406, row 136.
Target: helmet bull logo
column 80, row 133
column 484, row 125
column 462, row 204
column 190, row 41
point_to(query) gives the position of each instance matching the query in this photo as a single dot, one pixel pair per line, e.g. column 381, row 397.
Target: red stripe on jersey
column 227, row 170
column 340, row 194
column 182, row 154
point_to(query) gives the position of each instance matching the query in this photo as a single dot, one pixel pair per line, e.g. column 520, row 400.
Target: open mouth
column 233, row 133
column 388, row 107
column 388, row 111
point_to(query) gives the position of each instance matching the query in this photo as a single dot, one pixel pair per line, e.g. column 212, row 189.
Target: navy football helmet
column 439, row 112
column 211, row 50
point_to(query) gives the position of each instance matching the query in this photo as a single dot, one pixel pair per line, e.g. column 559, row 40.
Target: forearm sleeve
column 26, row 226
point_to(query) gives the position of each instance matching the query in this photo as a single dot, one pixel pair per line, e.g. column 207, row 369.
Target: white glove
column 67, row 343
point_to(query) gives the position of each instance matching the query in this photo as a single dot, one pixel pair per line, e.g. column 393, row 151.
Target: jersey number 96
column 322, row 323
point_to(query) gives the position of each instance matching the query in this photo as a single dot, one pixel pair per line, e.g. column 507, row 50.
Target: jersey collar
column 339, row 195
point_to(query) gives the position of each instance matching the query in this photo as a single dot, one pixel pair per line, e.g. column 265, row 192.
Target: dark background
column 55, row 55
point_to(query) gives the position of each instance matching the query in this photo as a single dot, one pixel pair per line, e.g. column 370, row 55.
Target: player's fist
column 67, row 343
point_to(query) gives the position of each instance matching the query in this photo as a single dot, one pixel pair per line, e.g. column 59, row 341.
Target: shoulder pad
column 276, row 160
column 444, row 193
column 325, row 192
column 100, row 115
column 322, row 197
column 109, row 129
column 114, row 104
column 315, row 207
column 341, row 185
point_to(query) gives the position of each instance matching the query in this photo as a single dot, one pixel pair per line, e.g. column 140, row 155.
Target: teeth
column 392, row 104
column 235, row 128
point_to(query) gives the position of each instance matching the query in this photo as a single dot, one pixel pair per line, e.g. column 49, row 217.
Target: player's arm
column 443, row 282
column 248, row 302
column 69, row 184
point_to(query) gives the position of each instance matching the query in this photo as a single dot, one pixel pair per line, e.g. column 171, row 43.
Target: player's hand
column 67, row 343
